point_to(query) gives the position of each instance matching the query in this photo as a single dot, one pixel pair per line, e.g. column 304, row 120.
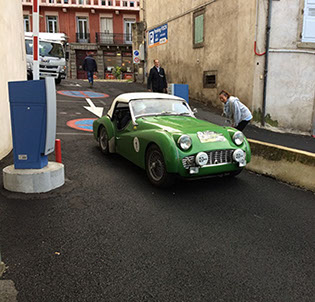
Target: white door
column 128, row 30
column 106, row 31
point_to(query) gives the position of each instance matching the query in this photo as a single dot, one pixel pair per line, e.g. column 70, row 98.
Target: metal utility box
column 33, row 120
column 180, row 90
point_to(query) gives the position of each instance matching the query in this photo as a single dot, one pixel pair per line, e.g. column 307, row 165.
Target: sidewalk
column 300, row 142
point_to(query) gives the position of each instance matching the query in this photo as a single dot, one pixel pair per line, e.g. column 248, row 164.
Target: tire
column 103, row 140
column 58, row 80
column 156, row 169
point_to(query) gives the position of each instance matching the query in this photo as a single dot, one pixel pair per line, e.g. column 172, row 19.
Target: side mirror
column 195, row 110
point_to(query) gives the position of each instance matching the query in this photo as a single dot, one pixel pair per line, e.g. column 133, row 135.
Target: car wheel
column 156, row 168
column 103, row 140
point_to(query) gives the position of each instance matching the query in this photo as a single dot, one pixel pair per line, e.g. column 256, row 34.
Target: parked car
column 159, row 133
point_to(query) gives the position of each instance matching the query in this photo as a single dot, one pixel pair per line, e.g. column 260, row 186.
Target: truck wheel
column 156, row 168
column 103, row 140
column 58, row 80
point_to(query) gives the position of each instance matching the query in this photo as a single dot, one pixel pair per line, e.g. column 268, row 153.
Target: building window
column 52, row 24
column 209, row 79
column 125, row 3
column 198, row 30
column 308, row 33
column 27, row 23
column 132, row 4
column 83, row 35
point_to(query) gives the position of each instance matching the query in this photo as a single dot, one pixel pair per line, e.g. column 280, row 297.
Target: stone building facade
column 221, row 44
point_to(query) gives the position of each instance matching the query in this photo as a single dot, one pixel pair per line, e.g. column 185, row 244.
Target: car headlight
column 184, row 142
column 238, row 138
column 202, row 158
column 239, row 156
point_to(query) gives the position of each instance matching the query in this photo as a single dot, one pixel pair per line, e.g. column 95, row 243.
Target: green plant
column 117, row 72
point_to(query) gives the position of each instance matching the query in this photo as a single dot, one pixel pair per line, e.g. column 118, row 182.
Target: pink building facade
column 101, row 26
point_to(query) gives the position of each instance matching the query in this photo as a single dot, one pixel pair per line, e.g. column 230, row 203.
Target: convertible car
column 159, row 133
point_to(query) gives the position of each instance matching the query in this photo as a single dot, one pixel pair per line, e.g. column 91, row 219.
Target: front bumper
column 219, row 162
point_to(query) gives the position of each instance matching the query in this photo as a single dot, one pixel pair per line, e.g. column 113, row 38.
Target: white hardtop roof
column 127, row 97
column 56, row 37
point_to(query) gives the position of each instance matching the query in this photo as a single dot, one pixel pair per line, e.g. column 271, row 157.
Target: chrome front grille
column 216, row 157
column 220, row 157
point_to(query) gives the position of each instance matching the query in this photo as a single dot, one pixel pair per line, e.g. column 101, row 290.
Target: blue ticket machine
column 33, row 120
column 180, row 90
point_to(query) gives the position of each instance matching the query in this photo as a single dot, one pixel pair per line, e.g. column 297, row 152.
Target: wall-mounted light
column 117, row 12
column 93, row 11
column 64, row 10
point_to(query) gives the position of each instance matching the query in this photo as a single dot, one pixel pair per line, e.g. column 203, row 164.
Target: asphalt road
column 108, row 235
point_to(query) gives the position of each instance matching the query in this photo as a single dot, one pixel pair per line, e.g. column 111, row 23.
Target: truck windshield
column 46, row 49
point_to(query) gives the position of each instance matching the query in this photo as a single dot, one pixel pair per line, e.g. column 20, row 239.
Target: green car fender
column 105, row 122
column 164, row 140
column 248, row 151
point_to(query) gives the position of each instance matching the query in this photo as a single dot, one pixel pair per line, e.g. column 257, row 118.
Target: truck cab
column 52, row 55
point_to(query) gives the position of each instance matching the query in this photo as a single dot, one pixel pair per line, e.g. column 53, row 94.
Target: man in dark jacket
column 90, row 66
column 157, row 79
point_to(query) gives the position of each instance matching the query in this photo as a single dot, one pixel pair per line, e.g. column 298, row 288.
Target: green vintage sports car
column 159, row 133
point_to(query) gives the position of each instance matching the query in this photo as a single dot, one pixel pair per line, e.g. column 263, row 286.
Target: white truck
column 52, row 55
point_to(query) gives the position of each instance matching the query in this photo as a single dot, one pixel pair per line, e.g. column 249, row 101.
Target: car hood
column 180, row 124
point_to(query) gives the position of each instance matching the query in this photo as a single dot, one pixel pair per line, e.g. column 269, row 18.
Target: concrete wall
column 291, row 70
column 228, row 45
column 13, row 64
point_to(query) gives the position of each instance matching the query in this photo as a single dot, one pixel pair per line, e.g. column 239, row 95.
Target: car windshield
column 46, row 49
column 153, row 107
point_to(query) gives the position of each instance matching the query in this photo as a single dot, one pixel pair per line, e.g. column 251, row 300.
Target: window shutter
column 308, row 34
column 199, row 29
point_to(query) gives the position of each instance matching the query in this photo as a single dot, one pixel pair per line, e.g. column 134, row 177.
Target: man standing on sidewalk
column 157, row 79
column 90, row 66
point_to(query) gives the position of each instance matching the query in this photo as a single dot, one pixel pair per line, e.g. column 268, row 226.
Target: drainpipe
column 268, row 27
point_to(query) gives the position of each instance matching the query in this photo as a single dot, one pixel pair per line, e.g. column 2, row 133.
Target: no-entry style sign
column 83, row 94
column 82, row 124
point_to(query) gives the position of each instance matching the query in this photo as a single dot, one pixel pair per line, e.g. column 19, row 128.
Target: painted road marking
column 69, row 133
column 98, row 111
column 82, row 124
column 83, row 94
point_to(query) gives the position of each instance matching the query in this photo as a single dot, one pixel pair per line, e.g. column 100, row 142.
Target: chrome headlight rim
column 238, row 138
column 184, row 145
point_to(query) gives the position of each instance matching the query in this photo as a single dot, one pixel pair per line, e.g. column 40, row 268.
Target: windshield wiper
column 184, row 113
column 167, row 113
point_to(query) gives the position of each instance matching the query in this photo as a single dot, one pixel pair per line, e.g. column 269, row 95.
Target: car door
column 124, row 131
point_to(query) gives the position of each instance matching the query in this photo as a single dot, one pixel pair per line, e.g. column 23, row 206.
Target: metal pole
column 35, row 39
column 268, row 27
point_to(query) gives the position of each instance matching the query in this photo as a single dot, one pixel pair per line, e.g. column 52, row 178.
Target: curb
column 293, row 166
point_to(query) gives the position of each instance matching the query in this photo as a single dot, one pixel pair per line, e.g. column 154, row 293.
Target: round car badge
column 136, row 144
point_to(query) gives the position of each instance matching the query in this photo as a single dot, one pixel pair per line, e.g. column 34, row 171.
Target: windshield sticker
column 210, row 137
column 136, row 144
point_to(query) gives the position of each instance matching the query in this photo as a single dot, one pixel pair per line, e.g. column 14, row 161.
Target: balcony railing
column 96, row 4
column 83, row 38
column 113, row 39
